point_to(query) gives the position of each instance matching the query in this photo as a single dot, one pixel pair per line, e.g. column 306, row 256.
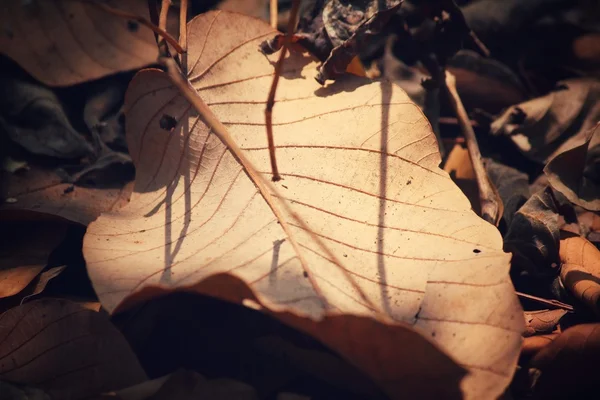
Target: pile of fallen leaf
column 141, row 258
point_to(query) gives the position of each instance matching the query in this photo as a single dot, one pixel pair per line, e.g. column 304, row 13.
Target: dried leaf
column 183, row 385
column 336, row 31
column 569, row 364
column 102, row 112
column 512, row 186
column 542, row 321
column 485, row 83
column 24, row 251
column 65, row 350
column 43, row 280
column 533, row 235
column 576, row 175
column 10, row 391
column 43, row 191
column 33, row 117
column 580, row 270
column 64, row 42
column 350, row 29
column 539, row 127
column 459, row 167
column 533, row 344
column 389, row 222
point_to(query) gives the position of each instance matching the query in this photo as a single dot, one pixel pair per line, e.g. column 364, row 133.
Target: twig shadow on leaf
column 299, row 62
column 386, row 96
column 184, row 133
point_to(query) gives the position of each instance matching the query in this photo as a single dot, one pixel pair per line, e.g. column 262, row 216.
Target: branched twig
column 124, row 14
column 490, row 204
column 271, row 99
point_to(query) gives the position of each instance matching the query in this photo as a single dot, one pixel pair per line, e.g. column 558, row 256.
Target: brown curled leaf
column 580, row 270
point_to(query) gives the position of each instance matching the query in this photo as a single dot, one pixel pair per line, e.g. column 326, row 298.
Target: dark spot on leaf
column 476, row 251
column 69, row 189
column 167, row 122
column 432, row 334
column 518, row 116
column 133, row 26
column 345, row 255
column 305, row 274
column 408, row 182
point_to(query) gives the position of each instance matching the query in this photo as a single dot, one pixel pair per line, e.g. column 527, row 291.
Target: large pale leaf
column 360, row 167
column 63, row 42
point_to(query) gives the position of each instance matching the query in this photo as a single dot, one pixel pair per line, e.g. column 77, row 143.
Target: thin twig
column 550, row 303
column 274, row 13
column 266, row 188
column 183, row 36
column 162, row 24
column 183, row 25
column 271, row 99
column 124, row 14
column 482, row 47
column 490, row 205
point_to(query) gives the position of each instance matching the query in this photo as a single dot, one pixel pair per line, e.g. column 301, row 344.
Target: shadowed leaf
column 65, row 350
column 63, row 42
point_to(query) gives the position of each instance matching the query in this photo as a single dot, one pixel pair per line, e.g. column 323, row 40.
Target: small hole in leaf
column 133, row 26
column 167, row 122
column 476, row 251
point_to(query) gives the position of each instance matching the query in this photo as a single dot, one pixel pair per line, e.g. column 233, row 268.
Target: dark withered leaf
column 576, row 172
column 512, row 186
column 102, row 113
column 350, row 29
column 335, row 31
column 497, row 20
column 533, row 235
column 540, row 127
column 485, row 83
column 112, row 170
column 33, row 117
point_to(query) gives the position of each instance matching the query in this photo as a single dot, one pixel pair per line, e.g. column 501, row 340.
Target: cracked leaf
column 360, row 166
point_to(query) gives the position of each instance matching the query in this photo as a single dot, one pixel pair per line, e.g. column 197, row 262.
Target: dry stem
column 271, row 99
column 551, row 303
column 490, row 204
column 274, row 13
